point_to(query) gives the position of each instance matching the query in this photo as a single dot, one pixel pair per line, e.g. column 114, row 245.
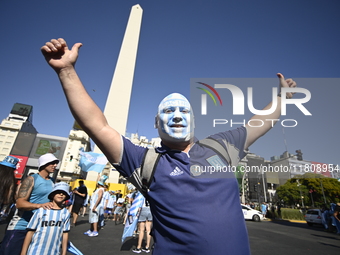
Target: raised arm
column 256, row 129
column 84, row 109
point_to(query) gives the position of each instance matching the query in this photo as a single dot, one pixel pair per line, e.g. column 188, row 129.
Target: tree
column 289, row 193
column 313, row 187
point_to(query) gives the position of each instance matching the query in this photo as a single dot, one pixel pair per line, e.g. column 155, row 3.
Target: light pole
column 303, row 205
column 243, row 199
column 311, row 190
column 323, row 193
column 264, row 187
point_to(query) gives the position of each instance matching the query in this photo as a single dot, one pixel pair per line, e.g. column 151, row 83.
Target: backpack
column 143, row 176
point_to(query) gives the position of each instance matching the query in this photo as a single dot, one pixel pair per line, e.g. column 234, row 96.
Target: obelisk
column 118, row 100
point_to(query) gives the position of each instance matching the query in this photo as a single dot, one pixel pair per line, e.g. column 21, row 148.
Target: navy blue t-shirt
column 194, row 212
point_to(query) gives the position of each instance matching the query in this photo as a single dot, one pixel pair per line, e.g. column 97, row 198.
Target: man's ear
column 156, row 122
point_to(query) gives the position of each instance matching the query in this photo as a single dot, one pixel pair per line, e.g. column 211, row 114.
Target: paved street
column 274, row 238
column 108, row 241
column 289, row 238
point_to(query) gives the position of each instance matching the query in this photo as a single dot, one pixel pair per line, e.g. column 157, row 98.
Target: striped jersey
column 49, row 226
column 106, row 196
column 94, row 198
column 111, row 202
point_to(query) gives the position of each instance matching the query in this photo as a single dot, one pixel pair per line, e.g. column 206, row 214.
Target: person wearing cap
column 32, row 195
column 177, row 191
column 49, row 222
column 96, row 210
column 8, row 183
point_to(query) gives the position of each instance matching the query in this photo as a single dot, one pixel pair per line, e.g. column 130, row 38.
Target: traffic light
column 299, row 154
column 255, row 187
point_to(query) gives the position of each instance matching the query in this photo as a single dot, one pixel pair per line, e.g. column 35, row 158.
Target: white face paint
column 175, row 119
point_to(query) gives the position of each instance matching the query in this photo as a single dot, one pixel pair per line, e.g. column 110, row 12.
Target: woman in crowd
column 8, row 183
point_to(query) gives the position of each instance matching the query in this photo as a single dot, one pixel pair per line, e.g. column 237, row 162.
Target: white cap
column 120, row 200
column 46, row 158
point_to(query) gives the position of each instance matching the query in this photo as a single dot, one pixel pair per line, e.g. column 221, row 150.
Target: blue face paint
column 175, row 118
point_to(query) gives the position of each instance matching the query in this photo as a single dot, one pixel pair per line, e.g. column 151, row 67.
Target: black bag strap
column 148, row 168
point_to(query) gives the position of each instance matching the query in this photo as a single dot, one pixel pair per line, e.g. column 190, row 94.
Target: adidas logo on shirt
column 176, row 172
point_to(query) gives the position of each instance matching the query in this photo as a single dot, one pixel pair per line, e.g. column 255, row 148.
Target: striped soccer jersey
column 49, row 226
column 106, row 196
column 111, row 202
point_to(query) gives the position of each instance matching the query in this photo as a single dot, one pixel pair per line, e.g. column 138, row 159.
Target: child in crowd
column 118, row 210
column 96, row 210
column 45, row 224
column 110, row 205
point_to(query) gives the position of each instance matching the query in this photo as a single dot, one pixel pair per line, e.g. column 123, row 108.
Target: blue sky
column 179, row 40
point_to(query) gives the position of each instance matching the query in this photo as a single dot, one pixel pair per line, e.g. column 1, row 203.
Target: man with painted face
column 174, row 119
column 192, row 213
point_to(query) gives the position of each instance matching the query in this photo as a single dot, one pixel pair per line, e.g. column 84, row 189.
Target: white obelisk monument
column 118, row 100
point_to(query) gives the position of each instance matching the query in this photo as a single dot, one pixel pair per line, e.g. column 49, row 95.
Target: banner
column 91, row 161
column 133, row 215
column 20, row 166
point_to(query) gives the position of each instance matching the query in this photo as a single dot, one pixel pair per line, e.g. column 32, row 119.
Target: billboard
column 48, row 144
column 20, row 166
column 22, row 109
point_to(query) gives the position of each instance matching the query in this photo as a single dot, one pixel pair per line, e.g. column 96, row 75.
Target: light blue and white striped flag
column 72, row 249
column 91, row 161
column 133, row 215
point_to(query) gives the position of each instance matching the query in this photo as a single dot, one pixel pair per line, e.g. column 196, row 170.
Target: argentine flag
column 72, row 249
column 91, row 161
column 133, row 215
